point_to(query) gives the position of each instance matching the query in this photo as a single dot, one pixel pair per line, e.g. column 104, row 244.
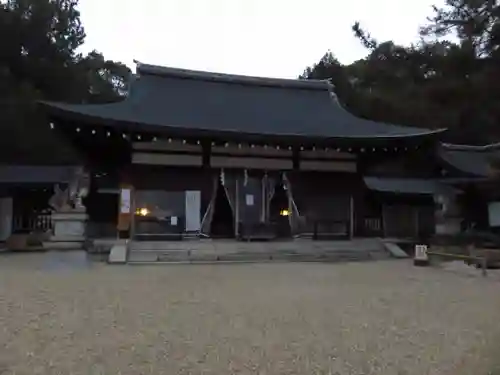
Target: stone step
column 298, row 246
column 207, row 250
column 207, row 256
column 395, row 250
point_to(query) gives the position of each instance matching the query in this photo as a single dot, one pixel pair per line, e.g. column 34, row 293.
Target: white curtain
column 270, row 191
column 294, row 215
column 229, row 184
column 206, row 222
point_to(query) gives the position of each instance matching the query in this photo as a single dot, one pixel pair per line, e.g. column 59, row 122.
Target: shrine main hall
column 192, row 153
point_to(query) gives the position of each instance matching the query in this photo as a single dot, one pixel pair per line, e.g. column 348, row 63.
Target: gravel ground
column 384, row 318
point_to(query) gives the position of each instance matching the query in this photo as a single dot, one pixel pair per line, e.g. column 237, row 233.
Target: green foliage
column 435, row 83
column 39, row 60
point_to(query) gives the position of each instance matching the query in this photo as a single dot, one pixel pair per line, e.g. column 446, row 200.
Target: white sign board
column 193, row 210
column 494, row 214
column 421, row 252
column 173, row 221
column 249, row 200
column 125, row 201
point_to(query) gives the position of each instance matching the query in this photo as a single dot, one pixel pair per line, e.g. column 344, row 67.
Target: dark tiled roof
column 190, row 102
column 406, row 185
column 472, row 160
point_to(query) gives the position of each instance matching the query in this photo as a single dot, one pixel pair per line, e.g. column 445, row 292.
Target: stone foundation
column 69, row 231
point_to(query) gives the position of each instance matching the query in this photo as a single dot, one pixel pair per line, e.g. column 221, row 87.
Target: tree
column 39, row 60
column 107, row 80
column 475, row 22
column 474, row 63
column 435, row 83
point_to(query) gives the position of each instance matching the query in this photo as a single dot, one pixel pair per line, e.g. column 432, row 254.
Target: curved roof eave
column 473, row 160
column 83, row 112
column 461, row 147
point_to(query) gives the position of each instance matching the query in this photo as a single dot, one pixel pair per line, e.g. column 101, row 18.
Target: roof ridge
column 164, row 71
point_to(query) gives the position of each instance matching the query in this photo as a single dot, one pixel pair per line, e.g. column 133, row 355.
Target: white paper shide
column 249, row 200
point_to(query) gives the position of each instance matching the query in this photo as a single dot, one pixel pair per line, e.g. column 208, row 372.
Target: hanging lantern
column 284, row 212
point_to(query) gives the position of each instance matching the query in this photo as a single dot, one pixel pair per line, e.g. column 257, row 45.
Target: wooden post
column 237, row 209
column 351, row 217
column 417, row 226
column 384, row 221
column 125, row 213
column 126, row 209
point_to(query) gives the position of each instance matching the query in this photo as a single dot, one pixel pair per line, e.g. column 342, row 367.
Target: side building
column 233, row 156
column 473, row 172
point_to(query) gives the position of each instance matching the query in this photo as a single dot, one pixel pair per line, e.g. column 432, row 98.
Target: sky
column 267, row 38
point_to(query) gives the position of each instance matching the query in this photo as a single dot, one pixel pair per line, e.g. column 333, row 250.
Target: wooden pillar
column 126, row 208
column 351, row 217
column 237, row 208
column 358, row 202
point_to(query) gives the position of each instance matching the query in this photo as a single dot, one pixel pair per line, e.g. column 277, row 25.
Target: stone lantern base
column 69, row 230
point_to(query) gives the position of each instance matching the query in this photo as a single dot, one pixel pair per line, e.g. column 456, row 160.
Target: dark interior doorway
column 279, row 211
column 102, row 208
column 222, row 225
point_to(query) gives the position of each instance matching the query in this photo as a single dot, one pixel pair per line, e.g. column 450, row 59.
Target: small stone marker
column 421, row 258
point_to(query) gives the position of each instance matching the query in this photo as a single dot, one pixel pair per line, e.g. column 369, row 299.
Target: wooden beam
column 328, row 166
column 167, row 159
column 251, row 163
column 161, row 145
